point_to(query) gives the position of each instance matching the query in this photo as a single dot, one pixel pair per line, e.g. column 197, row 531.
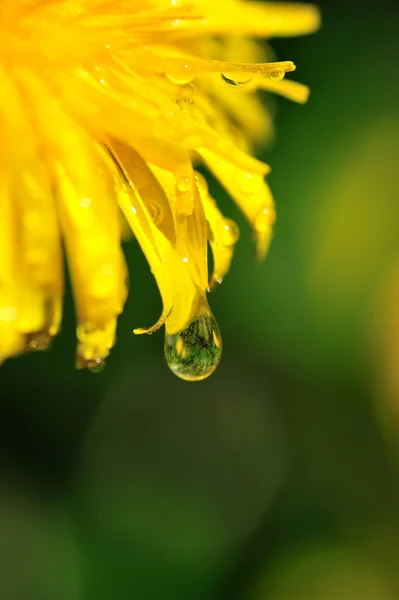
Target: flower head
column 106, row 106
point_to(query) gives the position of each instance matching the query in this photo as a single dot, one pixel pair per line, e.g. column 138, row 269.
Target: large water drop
column 194, row 353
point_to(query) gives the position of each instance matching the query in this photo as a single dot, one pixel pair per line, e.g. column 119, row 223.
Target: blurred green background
column 277, row 479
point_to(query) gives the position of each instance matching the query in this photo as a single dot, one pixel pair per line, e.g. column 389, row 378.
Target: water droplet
column 179, row 78
column 187, row 92
column 236, row 80
column 194, row 353
column 97, row 365
column 244, row 182
column 229, row 232
column 277, row 75
column 156, row 213
column 183, row 184
column 38, row 342
column 264, row 219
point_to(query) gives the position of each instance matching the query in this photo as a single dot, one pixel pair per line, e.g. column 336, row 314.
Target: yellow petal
column 250, row 192
column 178, row 291
column 223, row 235
column 293, row 90
column 89, row 221
column 261, row 19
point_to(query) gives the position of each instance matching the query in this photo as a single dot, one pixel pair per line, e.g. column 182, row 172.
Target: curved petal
column 251, row 194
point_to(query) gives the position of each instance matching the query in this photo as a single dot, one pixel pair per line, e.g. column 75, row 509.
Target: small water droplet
column 38, row 342
column 186, row 94
column 244, row 182
column 277, row 75
column 156, row 213
column 194, row 353
column 179, row 78
column 264, row 219
column 183, row 184
column 236, row 80
column 229, row 232
column 97, row 365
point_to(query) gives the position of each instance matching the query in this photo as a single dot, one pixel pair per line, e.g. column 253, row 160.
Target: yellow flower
column 105, row 105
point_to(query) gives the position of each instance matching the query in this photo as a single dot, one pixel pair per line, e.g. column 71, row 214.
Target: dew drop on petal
column 264, row 219
column 194, row 353
column 179, row 78
column 156, row 213
column 277, row 75
column 183, row 184
column 229, row 232
column 236, row 80
column 244, row 182
column 187, row 92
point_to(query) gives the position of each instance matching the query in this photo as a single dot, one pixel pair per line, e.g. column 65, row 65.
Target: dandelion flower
column 106, row 109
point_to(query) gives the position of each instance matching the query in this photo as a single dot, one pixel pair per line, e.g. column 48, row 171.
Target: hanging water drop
column 194, row 353
column 236, row 80
column 97, row 365
column 277, row 75
column 38, row 342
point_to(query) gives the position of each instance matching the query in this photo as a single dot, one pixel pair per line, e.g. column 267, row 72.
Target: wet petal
column 250, row 192
column 223, row 235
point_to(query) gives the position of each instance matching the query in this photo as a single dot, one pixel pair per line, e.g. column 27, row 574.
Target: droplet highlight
column 265, row 219
column 229, row 232
column 194, row 353
column 244, row 182
column 183, row 184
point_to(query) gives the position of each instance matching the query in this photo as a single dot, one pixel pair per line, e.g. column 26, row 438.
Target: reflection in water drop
column 277, row 75
column 236, row 80
column 194, row 353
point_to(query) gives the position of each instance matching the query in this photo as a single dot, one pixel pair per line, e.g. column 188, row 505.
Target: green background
column 277, row 479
